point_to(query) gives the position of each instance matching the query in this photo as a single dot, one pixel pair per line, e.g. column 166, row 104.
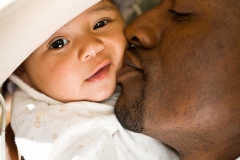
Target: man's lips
column 131, row 63
column 100, row 72
column 125, row 71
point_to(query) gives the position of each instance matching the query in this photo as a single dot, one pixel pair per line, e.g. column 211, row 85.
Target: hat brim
column 26, row 24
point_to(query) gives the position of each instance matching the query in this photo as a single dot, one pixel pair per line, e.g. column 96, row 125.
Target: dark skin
column 181, row 79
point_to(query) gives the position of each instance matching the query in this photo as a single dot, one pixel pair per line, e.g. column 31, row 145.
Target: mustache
column 135, row 51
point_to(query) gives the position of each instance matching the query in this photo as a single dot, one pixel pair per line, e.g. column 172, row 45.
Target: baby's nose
column 90, row 47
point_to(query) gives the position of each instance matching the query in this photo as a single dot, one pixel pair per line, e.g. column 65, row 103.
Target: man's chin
column 129, row 114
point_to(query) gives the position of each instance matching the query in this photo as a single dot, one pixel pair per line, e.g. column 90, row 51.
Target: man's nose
column 89, row 46
column 145, row 31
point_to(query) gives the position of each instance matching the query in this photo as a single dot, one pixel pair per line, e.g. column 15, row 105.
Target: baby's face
column 80, row 61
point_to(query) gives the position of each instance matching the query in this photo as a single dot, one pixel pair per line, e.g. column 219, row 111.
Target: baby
column 63, row 108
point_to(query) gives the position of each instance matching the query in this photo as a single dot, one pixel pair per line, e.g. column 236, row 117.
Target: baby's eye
column 59, row 43
column 100, row 24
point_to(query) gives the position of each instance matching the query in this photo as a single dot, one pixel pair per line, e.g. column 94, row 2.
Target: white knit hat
column 26, row 24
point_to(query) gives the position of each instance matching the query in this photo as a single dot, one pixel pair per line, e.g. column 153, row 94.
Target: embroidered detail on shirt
column 54, row 136
column 40, row 121
column 63, row 109
column 79, row 147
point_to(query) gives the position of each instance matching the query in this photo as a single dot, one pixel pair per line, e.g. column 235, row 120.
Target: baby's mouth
column 99, row 75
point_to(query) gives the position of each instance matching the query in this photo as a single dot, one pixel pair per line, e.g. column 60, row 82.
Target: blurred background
column 132, row 8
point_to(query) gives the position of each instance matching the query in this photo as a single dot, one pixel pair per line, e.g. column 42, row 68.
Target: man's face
column 182, row 76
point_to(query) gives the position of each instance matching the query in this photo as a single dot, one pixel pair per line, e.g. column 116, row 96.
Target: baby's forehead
column 95, row 10
column 103, row 5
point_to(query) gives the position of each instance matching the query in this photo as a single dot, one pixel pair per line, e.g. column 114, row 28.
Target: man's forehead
column 207, row 2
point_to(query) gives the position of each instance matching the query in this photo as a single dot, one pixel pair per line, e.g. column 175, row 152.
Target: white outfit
column 46, row 129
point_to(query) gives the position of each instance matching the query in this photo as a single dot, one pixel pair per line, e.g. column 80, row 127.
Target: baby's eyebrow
column 102, row 8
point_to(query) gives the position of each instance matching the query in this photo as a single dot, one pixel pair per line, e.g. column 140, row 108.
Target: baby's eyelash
column 101, row 23
column 58, row 43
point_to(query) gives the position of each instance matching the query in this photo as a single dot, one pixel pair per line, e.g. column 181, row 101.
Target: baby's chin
column 101, row 96
column 92, row 96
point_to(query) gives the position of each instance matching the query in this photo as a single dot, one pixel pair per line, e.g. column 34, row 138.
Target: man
column 181, row 77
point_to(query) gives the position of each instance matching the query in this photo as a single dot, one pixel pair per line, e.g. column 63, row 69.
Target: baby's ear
column 20, row 70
